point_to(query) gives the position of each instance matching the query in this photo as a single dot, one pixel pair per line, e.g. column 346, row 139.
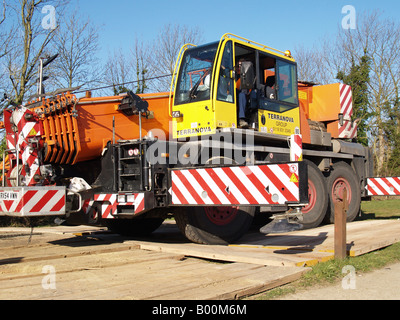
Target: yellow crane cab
column 217, row 85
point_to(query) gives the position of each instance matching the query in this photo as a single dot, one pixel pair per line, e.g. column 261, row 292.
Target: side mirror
column 247, row 75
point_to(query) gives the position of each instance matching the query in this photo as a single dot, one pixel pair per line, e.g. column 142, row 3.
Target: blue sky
column 279, row 24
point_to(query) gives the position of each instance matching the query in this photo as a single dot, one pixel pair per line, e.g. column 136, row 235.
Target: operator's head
column 239, row 66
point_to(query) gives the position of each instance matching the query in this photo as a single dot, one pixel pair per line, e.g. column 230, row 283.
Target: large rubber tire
column 214, row 225
column 342, row 175
column 316, row 210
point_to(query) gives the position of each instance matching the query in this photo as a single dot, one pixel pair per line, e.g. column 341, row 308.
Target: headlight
column 130, row 198
column 121, row 198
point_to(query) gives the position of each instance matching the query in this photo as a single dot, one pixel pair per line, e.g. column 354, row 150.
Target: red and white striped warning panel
column 247, row 185
column 346, row 101
column 26, row 130
column 349, row 128
column 110, row 202
column 383, row 186
column 296, row 147
column 32, row 201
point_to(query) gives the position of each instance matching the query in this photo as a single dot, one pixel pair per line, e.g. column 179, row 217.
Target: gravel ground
column 383, row 284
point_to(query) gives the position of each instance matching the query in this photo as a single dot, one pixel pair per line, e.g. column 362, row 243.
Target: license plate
column 9, row 195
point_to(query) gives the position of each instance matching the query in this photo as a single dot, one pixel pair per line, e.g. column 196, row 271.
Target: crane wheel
column 315, row 211
column 214, row 225
column 343, row 176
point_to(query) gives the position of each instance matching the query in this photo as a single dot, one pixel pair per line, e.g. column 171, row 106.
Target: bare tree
column 118, row 72
column 166, row 48
column 77, row 45
column 149, row 65
column 29, row 42
column 311, row 65
column 128, row 71
column 3, row 16
column 5, row 37
column 379, row 39
column 141, row 60
column 5, row 34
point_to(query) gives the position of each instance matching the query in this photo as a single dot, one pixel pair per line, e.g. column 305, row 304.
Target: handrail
column 80, row 201
column 233, row 36
column 4, row 166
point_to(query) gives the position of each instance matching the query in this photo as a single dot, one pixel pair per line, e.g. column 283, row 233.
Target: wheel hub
column 312, row 197
column 338, row 188
column 221, row 215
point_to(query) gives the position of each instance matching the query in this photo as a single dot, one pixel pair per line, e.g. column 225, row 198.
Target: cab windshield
column 194, row 78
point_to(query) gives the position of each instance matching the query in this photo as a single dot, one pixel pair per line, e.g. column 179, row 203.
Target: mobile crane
column 129, row 161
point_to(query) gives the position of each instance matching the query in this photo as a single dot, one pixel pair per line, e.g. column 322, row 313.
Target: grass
column 382, row 208
column 330, row 272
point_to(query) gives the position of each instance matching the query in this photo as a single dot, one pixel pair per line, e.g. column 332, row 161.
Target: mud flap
column 283, row 223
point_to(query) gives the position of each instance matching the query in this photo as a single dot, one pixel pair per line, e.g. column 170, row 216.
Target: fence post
column 340, row 227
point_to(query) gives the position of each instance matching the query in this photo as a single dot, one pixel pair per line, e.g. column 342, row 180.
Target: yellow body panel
column 197, row 119
column 283, row 123
column 225, row 114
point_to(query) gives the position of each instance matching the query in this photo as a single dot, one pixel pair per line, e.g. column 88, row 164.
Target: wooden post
column 340, row 227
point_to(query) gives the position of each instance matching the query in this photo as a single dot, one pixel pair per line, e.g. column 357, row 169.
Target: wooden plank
column 81, row 283
column 247, row 281
column 362, row 237
column 206, row 276
column 60, row 230
column 201, row 280
column 306, row 239
column 379, row 238
column 56, row 252
column 113, row 271
column 311, row 238
column 156, row 279
column 238, row 254
column 111, row 283
column 81, row 263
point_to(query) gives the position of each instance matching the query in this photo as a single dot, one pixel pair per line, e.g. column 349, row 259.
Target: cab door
column 224, row 93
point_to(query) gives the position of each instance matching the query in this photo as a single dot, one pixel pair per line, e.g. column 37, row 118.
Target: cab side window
column 225, row 83
column 278, row 79
column 268, row 77
column 287, row 82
